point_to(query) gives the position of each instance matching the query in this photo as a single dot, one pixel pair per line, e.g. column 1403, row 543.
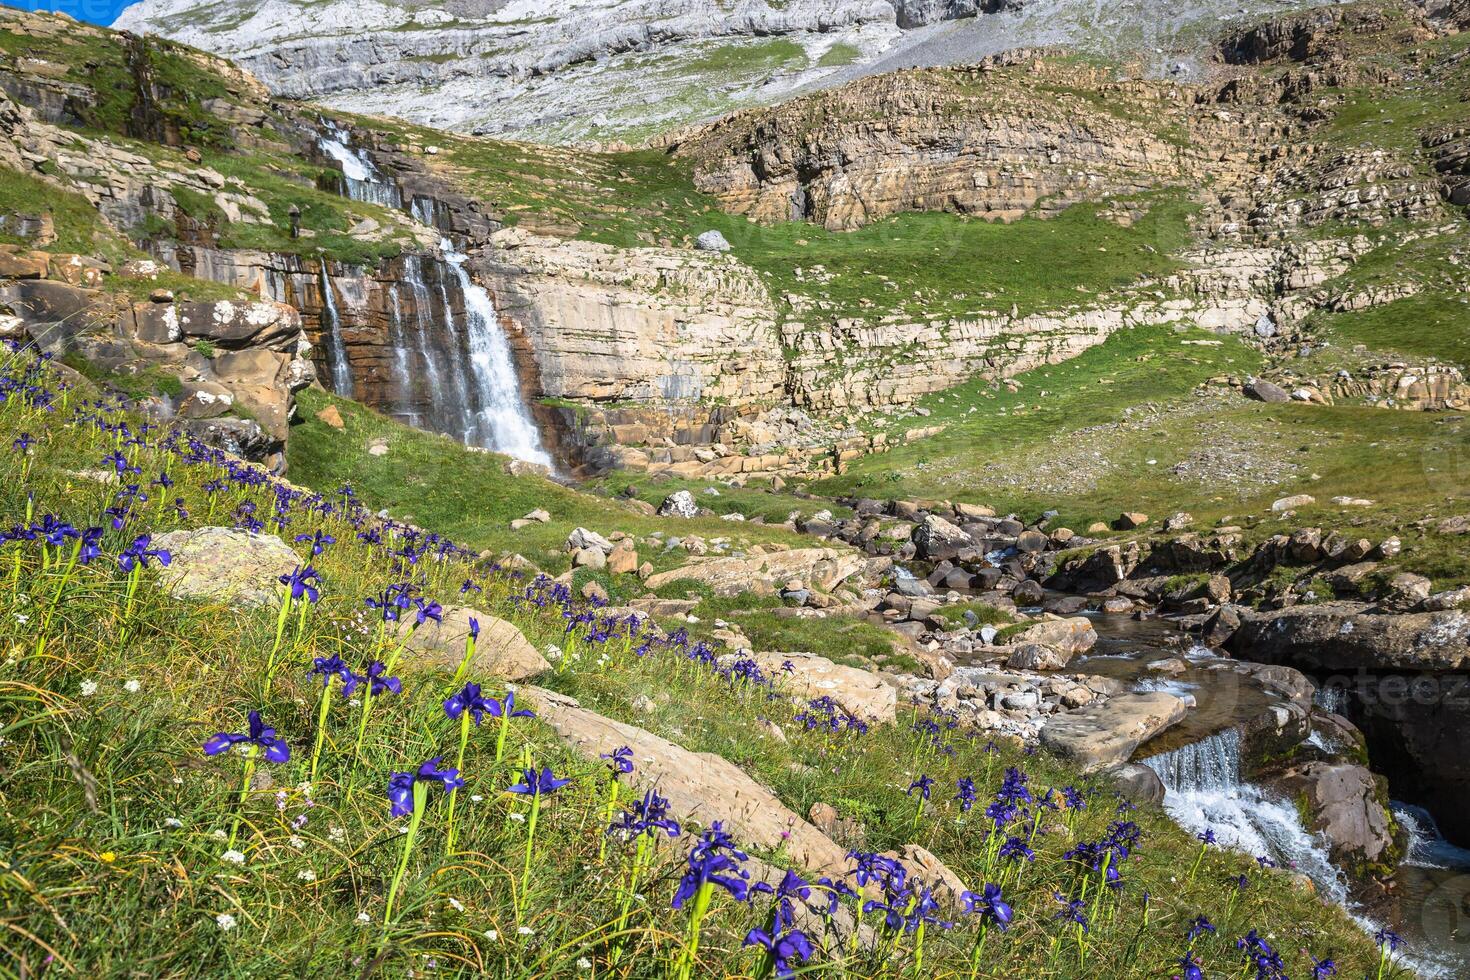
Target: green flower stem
column 321, row 727
column 612, row 805
column 530, row 844
column 270, row 661
column 420, row 800
column 464, row 738
column 244, row 792
column 684, row 968
column 469, row 653
column 500, row 738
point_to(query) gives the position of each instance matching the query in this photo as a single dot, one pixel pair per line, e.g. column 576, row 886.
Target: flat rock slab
column 700, row 786
column 861, row 693
column 823, row 568
column 222, row 563
column 501, row 650
column 1103, row 735
column 1071, row 636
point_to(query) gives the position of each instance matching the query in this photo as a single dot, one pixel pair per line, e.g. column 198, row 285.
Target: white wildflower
column 584, row 964
column 491, row 935
column 364, row 917
column 232, row 857
column 307, row 875
column 225, row 921
column 296, row 842
column 88, row 688
column 525, row 930
column 336, row 834
column 132, row 686
column 172, row 823
column 518, row 817
column 456, row 904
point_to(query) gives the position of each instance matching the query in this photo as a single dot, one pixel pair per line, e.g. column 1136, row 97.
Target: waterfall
column 336, row 349
column 1205, row 792
column 500, row 420
column 364, row 182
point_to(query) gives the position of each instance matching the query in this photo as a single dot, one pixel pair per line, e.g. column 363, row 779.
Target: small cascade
column 1205, row 792
column 336, row 350
column 1427, row 847
column 364, row 181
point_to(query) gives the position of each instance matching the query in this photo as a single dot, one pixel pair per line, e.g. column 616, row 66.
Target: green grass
column 79, row 229
column 1431, row 324
column 435, row 481
column 112, row 812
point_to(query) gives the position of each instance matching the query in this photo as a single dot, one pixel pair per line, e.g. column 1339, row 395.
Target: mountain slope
column 604, row 69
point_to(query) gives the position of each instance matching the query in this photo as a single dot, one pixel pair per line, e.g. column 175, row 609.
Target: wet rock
column 1138, row 783
column 1106, row 735
column 227, row 565
column 1028, row 593
column 1343, row 801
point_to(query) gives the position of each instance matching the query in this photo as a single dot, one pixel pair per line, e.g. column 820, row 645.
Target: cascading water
column 500, row 420
column 336, row 348
column 364, row 182
column 1205, row 792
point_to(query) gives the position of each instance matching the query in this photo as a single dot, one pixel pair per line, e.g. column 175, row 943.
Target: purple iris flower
column 467, row 698
column 714, row 860
column 139, row 552
column 400, row 784
column 377, row 683
column 990, row 906
column 319, row 541
column 1389, row 938
column 1208, row 837
column 23, row 443
column 784, row 948
column 791, row 886
column 648, row 816
column 275, row 749
column 1074, row 910
column 1015, row 849
column 534, row 783
column 1322, row 969
column 300, row 582
column 965, row 793
column 922, row 784
column 334, row 666
column 427, row 611
column 620, row 759
column 507, row 708
column 91, row 548
column 1189, row 964
column 1199, row 927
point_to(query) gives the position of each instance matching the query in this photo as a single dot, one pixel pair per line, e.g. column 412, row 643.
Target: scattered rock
column 711, row 241
column 1130, row 521
column 680, row 504
column 1284, row 504
column 1265, row 391
column 330, row 416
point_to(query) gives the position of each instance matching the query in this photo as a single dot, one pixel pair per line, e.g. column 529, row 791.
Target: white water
column 336, row 349
column 501, row 422
column 364, row 182
column 1205, row 792
column 1427, row 847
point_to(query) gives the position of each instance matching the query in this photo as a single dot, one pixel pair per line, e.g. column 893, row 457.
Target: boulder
column 1104, row 735
column 592, row 558
column 224, row 564
column 680, row 504
column 701, row 787
column 500, row 651
column 1036, row 656
column 1032, row 542
column 1291, row 503
column 1071, row 636
column 824, row 568
column 623, row 560
column 1339, row 636
column 1130, row 521
column 936, row 539
column 860, row 693
column 581, row 539
column 1138, row 783
column 331, row 417
column 1265, row 391
column 711, row 241
column 1342, row 799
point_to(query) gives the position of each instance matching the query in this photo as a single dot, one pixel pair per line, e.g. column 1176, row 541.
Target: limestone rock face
column 500, row 651
column 860, row 693
column 1105, row 735
column 1342, row 636
column 1072, row 637
column 227, row 565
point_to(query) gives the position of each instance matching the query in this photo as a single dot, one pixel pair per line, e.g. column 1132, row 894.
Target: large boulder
column 700, row 786
column 1342, row 799
column 1101, row 736
column 227, row 565
column 860, row 693
column 1036, row 656
column 825, row 568
column 1343, row 636
column 936, row 539
column 1071, row 637
column 500, row 651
